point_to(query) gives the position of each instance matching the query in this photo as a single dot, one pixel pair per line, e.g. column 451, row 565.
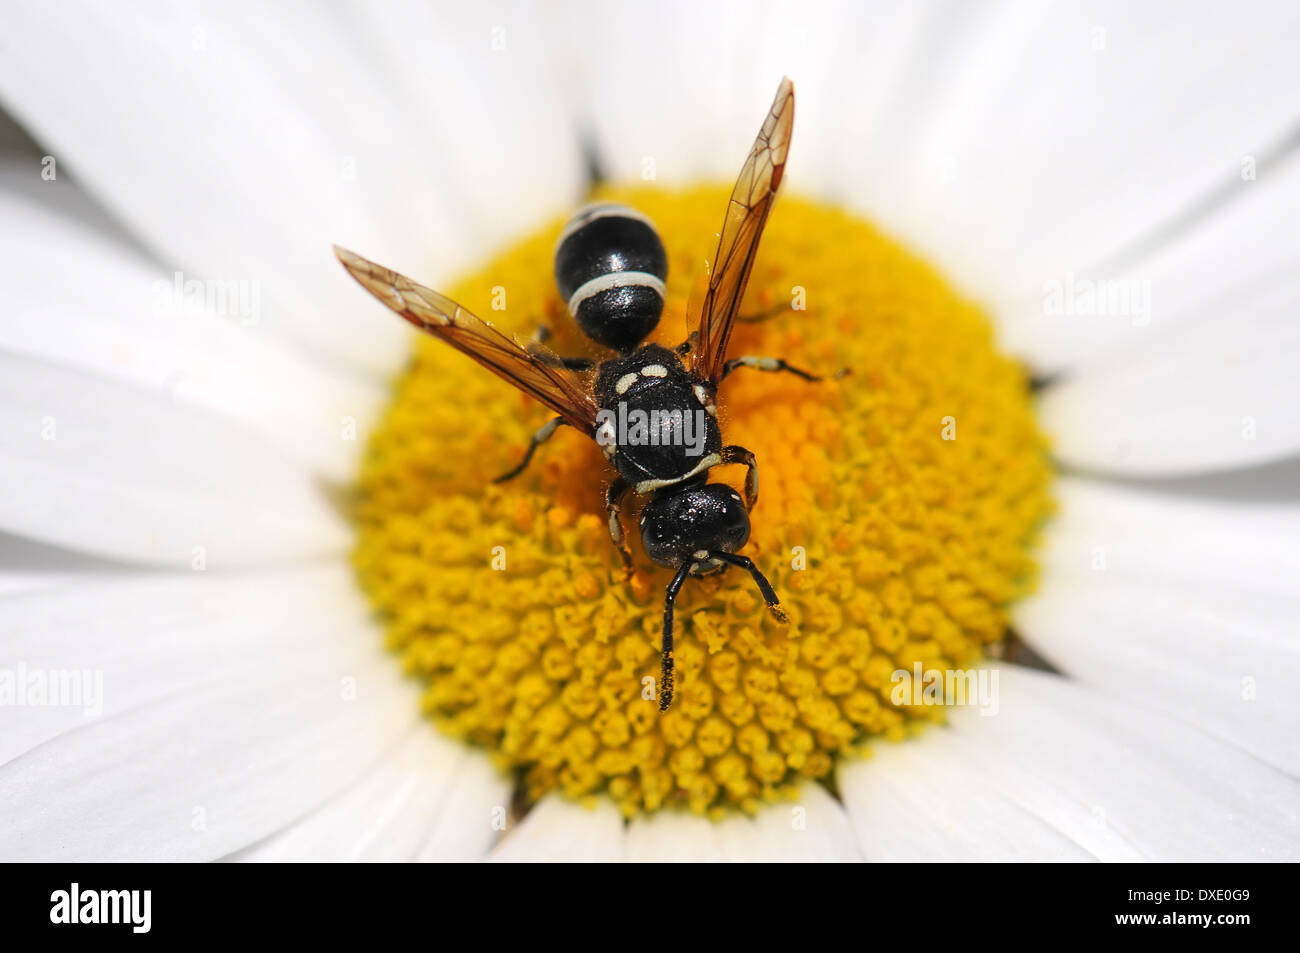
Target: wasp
column 610, row 266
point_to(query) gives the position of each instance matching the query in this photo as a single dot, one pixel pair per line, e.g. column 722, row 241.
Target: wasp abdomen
column 610, row 266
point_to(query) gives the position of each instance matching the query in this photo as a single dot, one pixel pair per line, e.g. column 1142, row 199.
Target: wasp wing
column 533, row 369
column 747, row 212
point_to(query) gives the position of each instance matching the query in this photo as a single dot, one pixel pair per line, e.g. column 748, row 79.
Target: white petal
column 812, row 828
column 1023, row 142
column 493, row 129
column 1209, row 269
column 1208, row 395
column 1059, row 772
column 931, row 799
column 232, row 706
column 81, row 299
column 26, row 565
column 815, row 828
column 393, row 811
column 238, row 142
column 150, row 635
column 103, row 468
column 557, row 829
column 469, row 813
column 666, row 103
column 673, row 837
column 1011, row 142
column 1185, row 604
column 697, row 118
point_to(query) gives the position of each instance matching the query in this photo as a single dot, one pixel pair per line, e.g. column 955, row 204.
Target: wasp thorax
column 610, row 266
column 683, row 527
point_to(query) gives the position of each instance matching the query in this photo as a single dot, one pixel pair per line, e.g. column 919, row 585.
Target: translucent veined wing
column 533, row 369
column 747, row 212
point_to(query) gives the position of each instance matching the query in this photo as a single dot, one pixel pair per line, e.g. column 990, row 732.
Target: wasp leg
column 544, row 434
column 737, row 454
column 614, row 507
column 769, row 594
column 771, row 364
column 766, row 315
column 540, row 337
column 666, row 663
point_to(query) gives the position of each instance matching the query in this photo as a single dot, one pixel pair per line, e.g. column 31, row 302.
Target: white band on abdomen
column 617, row 279
column 589, row 213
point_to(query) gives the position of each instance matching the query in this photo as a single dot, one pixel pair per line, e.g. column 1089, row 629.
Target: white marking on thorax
column 649, row 486
column 654, row 370
column 624, row 382
column 702, row 396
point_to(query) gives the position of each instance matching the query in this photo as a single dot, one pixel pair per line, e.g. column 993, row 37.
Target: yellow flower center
column 898, row 508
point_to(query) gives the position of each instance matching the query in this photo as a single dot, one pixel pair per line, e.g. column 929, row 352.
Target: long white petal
column 230, row 707
column 78, row 298
column 812, row 828
column 815, row 828
column 104, row 468
column 1022, row 143
column 1185, row 604
column 239, row 141
column 557, row 829
column 493, row 131
column 1012, row 142
column 26, row 565
column 1212, row 394
column 396, row 808
column 1061, row 772
column 1239, row 250
column 932, row 799
column 673, row 837
column 469, row 813
column 151, row 635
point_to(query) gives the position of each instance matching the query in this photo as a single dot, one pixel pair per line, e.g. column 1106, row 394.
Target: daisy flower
column 259, row 600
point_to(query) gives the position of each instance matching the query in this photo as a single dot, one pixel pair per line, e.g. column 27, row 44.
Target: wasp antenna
column 592, row 160
column 765, row 587
column 666, row 669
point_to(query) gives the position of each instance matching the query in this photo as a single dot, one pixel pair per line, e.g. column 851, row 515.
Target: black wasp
column 610, row 265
